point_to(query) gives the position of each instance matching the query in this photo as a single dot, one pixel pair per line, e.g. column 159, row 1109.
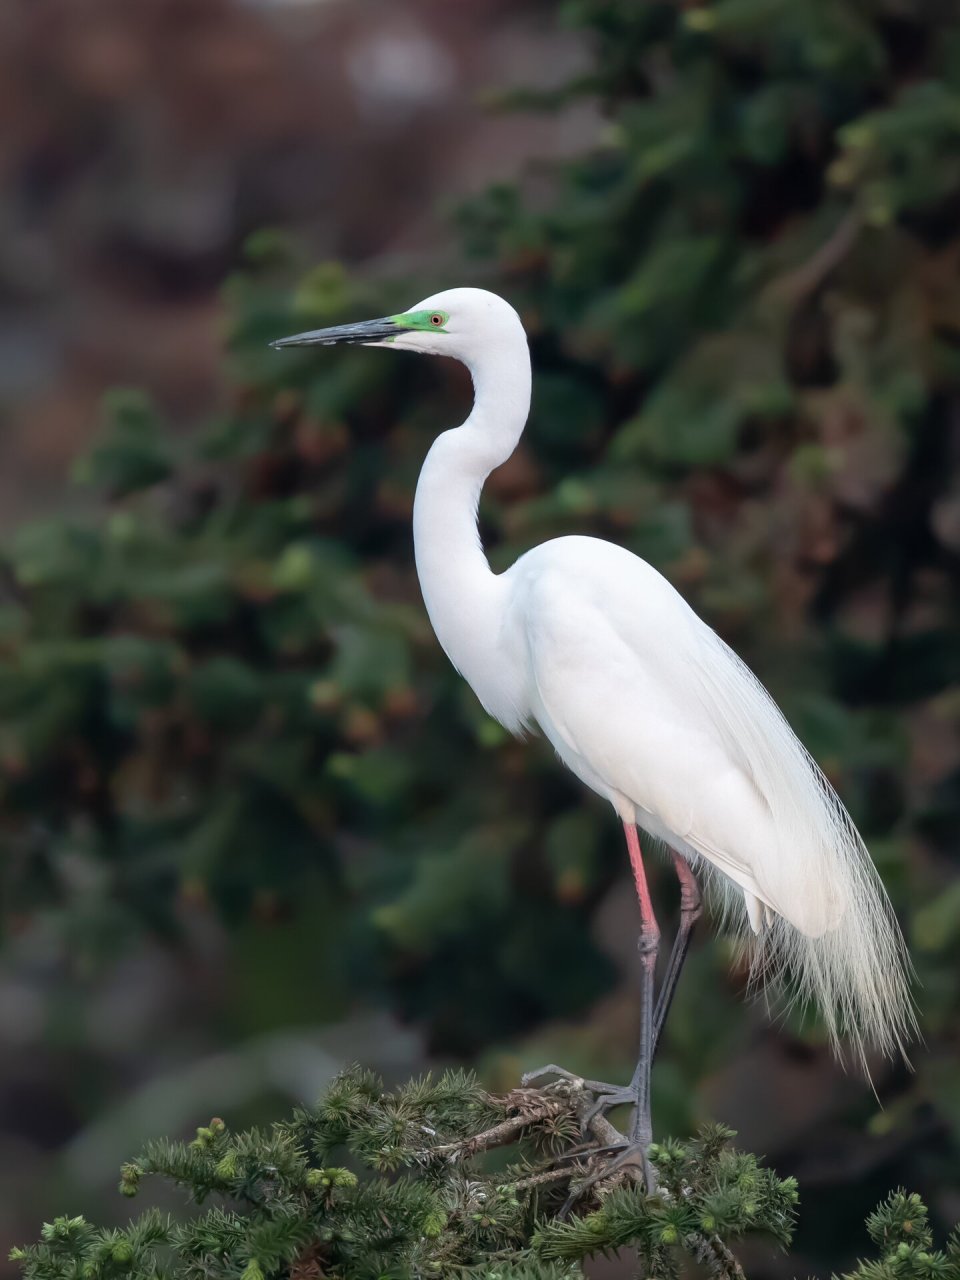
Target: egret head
column 458, row 322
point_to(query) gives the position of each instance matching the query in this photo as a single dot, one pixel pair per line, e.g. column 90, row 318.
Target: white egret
column 648, row 707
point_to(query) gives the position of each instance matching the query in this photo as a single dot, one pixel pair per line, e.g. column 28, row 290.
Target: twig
column 536, row 1179
column 807, row 278
column 533, row 1106
column 543, row 1108
column 714, row 1254
column 498, row 1136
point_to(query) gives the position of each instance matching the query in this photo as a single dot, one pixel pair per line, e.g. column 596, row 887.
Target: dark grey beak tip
column 307, row 340
column 364, row 331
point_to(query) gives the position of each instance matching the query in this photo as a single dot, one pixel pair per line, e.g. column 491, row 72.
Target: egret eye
column 436, row 319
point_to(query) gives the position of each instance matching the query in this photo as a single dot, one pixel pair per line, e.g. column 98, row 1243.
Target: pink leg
column 651, row 1021
column 649, row 946
column 648, row 921
column 638, row 1091
column 689, row 889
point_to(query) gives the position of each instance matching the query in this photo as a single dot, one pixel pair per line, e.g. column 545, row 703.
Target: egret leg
column 638, row 1091
column 652, row 1018
column 690, row 909
column 642, row 1133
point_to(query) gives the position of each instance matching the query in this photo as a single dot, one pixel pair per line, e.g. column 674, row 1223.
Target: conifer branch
column 350, row 1188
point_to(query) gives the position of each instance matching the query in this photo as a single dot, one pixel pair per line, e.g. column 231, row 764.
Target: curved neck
column 459, row 588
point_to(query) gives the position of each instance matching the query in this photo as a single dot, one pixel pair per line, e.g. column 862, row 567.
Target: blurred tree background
column 253, row 825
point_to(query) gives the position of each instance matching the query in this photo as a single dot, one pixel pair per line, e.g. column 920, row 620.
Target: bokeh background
column 253, row 828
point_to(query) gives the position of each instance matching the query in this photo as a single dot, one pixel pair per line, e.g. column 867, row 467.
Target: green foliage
column 901, row 1232
column 420, row 1196
column 709, row 1195
column 134, row 453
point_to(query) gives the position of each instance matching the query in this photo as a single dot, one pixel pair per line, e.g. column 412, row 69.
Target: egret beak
column 369, row 332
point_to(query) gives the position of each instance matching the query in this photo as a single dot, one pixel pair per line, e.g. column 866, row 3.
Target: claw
column 634, row 1151
column 606, row 1096
column 551, row 1069
column 606, row 1102
column 588, row 1150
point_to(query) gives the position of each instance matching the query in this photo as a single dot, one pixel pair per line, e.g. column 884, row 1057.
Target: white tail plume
column 834, row 940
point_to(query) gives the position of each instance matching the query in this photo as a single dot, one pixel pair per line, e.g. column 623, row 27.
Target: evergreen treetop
column 441, row 1178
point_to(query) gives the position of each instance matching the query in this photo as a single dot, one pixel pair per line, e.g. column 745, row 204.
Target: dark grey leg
column 690, row 909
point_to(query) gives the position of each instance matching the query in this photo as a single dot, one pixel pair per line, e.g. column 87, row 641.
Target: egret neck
column 463, row 596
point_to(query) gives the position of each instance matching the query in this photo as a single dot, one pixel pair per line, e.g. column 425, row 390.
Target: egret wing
column 610, row 647
column 650, row 707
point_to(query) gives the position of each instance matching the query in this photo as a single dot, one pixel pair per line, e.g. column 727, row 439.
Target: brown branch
column 533, row 1106
column 714, row 1254
column 498, row 1136
column 807, row 278
column 536, row 1179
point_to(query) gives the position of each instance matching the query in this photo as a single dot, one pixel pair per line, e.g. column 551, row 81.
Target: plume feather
column 844, row 951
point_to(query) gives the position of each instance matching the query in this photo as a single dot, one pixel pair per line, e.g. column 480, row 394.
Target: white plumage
column 691, row 746
column 643, row 701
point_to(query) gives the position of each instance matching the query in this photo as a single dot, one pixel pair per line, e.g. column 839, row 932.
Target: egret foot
column 605, row 1096
column 631, row 1158
column 608, row 1096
